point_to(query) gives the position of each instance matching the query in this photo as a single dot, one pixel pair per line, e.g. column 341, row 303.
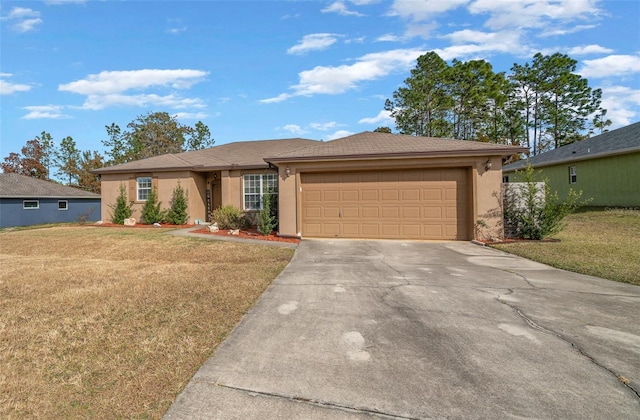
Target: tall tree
column 567, row 98
column 117, row 148
column 155, row 134
column 47, row 150
column 12, row 164
column 420, row 107
column 200, row 137
column 89, row 161
column 31, row 163
column 67, row 159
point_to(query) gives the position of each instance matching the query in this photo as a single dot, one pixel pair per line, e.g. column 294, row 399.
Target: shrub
column 534, row 211
column 266, row 219
column 229, row 217
column 151, row 212
column 177, row 214
column 121, row 210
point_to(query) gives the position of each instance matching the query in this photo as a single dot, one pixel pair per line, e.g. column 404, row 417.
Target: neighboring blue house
column 26, row 201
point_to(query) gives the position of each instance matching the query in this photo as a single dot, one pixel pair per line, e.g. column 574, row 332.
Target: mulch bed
column 514, row 241
column 140, row 225
column 249, row 234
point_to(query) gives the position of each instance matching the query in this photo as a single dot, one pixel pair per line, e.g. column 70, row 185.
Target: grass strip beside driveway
column 596, row 242
column 112, row 323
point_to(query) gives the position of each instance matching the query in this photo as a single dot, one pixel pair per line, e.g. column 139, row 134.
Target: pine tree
column 121, row 210
column 177, row 214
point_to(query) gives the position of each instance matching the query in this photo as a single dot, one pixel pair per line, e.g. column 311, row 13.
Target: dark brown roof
column 244, row 154
column 616, row 142
column 375, row 145
column 20, row 186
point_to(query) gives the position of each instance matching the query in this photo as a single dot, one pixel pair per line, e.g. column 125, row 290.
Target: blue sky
column 277, row 69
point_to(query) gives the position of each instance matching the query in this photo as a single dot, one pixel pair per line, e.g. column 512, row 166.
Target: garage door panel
column 420, row 204
column 391, row 212
column 372, row 213
column 351, row 212
column 390, row 195
column 412, row 194
column 369, row 195
column 411, row 212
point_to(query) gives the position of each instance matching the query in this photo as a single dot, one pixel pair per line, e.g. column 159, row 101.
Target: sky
column 253, row 70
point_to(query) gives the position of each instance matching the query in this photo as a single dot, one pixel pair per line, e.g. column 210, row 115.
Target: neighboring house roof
column 244, row 154
column 616, row 142
column 14, row 185
column 376, row 145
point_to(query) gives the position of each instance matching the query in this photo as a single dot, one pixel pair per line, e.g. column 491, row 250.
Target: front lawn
column 111, row 322
column 597, row 242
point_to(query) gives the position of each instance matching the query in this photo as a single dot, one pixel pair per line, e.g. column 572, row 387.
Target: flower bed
column 249, row 234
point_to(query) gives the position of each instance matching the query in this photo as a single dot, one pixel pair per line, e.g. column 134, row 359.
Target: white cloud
column 330, row 80
column 340, row 8
column 621, row 103
column 323, row 126
column 339, row 134
column 97, row 102
column 383, row 116
column 45, row 112
column 109, row 88
column 468, row 43
column 422, row 10
column 58, row 2
column 7, row 88
column 108, row 82
column 612, row 65
column 191, row 115
column 564, row 31
column 313, row 42
column 532, row 13
column 23, row 19
column 589, row 49
column 293, row 129
column 388, row 38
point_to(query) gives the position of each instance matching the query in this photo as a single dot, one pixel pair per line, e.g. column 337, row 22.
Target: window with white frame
column 30, row 204
column 143, row 188
column 573, row 175
column 63, row 205
column 256, row 186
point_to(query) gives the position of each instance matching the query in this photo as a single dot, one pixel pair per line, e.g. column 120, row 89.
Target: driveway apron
column 410, row 329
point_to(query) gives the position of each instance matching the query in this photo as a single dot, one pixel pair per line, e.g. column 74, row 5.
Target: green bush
column 121, row 210
column 151, row 212
column 534, row 211
column 266, row 220
column 177, row 214
column 229, row 217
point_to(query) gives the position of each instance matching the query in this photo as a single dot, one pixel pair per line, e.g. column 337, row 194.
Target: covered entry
column 393, row 204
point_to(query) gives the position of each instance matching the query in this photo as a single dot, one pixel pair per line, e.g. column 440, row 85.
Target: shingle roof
column 14, row 185
column 244, row 154
column 373, row 144
column 620, row 141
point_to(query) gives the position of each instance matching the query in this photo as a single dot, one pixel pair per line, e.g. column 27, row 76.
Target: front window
column 144, row 188
column 63, row 204
column 31, row 204
column 573, row 175
column 256, row 186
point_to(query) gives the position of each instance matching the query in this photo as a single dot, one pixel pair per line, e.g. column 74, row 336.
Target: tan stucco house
column 368, row 185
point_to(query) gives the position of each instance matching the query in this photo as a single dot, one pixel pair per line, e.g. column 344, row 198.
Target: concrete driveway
column 393, row 329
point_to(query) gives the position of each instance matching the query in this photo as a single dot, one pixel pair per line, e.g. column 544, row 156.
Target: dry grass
column 601, row 243
column 112, row 323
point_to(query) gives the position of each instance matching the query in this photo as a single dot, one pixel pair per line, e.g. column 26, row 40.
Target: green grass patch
column 599, row 242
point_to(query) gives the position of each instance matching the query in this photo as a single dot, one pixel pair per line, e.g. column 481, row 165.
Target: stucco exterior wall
column 194, row 185
column 612, row 181
column 484, row 186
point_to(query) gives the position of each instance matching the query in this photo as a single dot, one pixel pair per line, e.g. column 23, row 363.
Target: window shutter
column 133, row 189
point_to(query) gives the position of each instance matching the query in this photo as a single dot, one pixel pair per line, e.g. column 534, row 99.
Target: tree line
column 148, row 135
column 541, row 105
